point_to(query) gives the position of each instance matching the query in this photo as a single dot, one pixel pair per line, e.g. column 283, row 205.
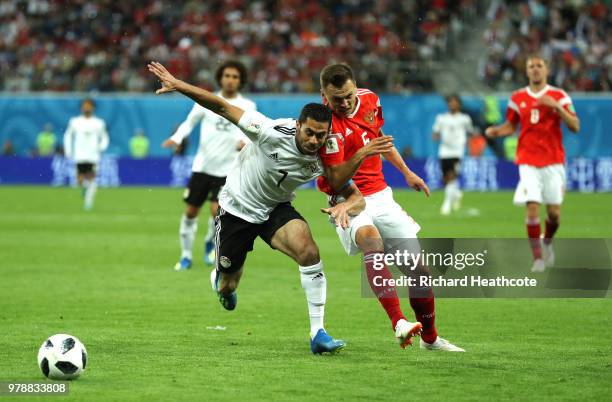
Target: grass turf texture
column 105, row 277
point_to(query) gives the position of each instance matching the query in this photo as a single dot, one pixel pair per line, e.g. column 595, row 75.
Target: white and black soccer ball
column 62, row 357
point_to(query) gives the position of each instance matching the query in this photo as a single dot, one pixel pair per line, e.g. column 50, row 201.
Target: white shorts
column 393, row 223
column 545, row 185
column 347, row 236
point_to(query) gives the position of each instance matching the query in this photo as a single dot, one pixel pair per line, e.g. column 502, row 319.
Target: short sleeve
column 437, row 125
column 253, row 124
column 512, row 111
column 469, row 126
column 333, row 151
column 567, row 104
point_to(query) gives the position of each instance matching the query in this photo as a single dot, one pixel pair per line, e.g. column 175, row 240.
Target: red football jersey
column 351, row 133
column 540, row 141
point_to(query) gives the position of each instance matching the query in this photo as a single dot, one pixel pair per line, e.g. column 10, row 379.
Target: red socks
column 551, row 229
column 533, row 232
column 425, row 313
column 424, row 307
column 387, row 296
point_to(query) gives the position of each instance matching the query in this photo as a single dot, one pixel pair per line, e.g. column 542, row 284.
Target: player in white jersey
column 220, row 142
column 84, row 140
column 256, row 200
column 451, row 129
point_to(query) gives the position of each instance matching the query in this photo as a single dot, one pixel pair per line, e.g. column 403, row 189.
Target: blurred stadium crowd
column 103, row 45
column 575, row 35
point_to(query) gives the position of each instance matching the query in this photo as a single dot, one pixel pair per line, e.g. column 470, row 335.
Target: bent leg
column 370, row 243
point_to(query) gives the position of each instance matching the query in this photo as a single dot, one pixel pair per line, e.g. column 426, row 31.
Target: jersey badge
column 369, row 117
column 309, row 169
column 331, row 146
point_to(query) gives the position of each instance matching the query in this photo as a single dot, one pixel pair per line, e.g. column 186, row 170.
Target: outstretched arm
column 208, row 100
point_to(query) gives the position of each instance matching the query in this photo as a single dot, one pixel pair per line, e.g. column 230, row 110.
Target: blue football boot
column 323, row 343
column 183, row 264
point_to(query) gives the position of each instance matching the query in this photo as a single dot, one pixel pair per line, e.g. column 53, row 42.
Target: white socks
column 315, row 286
column 187, row 233
column 211, row 229
column 90, row 192
column 451, row 192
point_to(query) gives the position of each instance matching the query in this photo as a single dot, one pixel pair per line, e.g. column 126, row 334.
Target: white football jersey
column 267, row 171
column 219, row 138
column 454, row 129
column 85, row 139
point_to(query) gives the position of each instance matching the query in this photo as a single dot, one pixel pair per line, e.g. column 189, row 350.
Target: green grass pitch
column 106, row 277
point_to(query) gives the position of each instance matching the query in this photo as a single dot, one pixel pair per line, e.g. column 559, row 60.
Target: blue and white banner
column 477, row 174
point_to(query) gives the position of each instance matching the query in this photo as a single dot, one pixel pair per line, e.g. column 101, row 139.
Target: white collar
column 538, row 94
column 238, row 95
column 350, row 116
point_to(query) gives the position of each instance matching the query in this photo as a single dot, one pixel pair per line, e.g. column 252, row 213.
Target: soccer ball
column 62, row 357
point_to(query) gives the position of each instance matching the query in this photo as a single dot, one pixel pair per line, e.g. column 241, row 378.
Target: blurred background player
column 256, row 202
column 539, row 109
column 220, row 143
column 45, row 141
column 84, row 140
column 357, row 122
column 451, row 129
column 139, row 145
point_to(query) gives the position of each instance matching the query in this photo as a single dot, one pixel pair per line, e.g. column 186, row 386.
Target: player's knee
column 192, row 211
column 308, row 255
column 368, row 239
column 533, row 210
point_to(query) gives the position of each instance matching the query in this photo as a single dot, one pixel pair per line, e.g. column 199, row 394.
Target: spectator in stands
column 139, row 145
column 8, row 149
column 45, row 141
column 103, row 45
column 574, row 36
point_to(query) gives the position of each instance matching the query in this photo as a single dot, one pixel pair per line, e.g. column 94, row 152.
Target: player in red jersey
column 359, row 235
column 539, row 109
column 353, row 151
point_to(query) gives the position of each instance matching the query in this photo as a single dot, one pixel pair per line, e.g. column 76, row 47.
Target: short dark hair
column 453, row 96
column 242, row 70
column 88, row 100
column 316, row 111
column 336, row 75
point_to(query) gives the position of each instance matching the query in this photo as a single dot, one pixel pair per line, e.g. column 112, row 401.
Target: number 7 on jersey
column 284, row 173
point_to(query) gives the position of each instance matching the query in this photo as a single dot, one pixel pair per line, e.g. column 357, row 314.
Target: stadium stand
column 103, row 45
column 574, row 35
